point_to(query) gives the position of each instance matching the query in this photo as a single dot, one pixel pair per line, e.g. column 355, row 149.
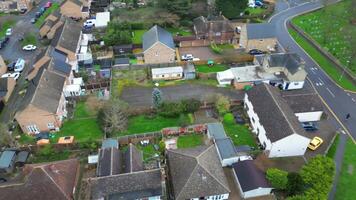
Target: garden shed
column 189, row 72
column 7, row 160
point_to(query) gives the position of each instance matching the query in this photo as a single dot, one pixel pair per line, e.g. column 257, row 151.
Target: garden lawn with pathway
column 40, row 20
column 189, row 141
column 323, row 62
column 7, row 24
column 346, row 185
column 329, row 34
column 211, row 69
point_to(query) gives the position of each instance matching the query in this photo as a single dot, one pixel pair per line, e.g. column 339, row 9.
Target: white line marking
column 348, row 94
column 313, row 71
column 332, row 94
column 321, row 80
column 353, row 100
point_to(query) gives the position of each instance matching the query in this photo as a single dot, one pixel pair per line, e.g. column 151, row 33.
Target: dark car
column 3, row 42
column 238, row 118
column 11, row 66
column 309, row 126
column 256, row 52
column 3, row 180
column 33, row 20
column 38, row 14
column 42, row 10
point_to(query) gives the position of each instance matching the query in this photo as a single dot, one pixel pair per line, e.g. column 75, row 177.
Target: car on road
column 48, row 4
column 256, row 52
column 29, row 47
column 8, row 32
column 309, row 126
column 14, row 75
column 33, row 20
column 19, row 65
column 315, row 143
column 38, row 14
column 187, row 57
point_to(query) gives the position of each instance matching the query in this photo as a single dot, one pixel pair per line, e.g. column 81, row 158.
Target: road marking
column 353, row 100
column 321, row 80
column 332, row 94
column 348, row 94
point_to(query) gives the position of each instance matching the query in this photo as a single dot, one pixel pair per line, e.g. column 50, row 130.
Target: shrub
column 183, row 121
column 229, row 118
column 190, row 105
column 215, row 48
column 170, row 109
column 278, row 178
column 295, row 185
column 222, row 104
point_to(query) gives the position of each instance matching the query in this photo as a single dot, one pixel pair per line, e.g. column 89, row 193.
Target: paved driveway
column 203, row 53
column 142, row 96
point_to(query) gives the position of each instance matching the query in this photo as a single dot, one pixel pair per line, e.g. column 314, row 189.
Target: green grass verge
column 82, row 111
column 332, row 150
column 347, row 181
column 189, row 141
column 143, row 124
column 7, row 24
column 255, row 11
column 211, row 69
column 137, row 36
column 324, row 63
column 180, row 31
column 29, row 39
column 40, row 20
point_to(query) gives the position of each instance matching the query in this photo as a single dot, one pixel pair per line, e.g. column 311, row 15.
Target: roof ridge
column 185, row 184
column 125, row 174
column 54, row 182
column 182, row 153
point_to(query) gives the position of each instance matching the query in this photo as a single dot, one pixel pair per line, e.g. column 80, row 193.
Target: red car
column 48, row 4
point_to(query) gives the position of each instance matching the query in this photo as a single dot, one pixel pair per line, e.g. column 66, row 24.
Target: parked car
column 48, row 4
column 3, row 42
column 11, row 66
column 315, row 143
column 38, row 14
column 258, row 3
column 256, row 52
column 29, row 47
column 3, row 180
column 187, row 57
column 89, row 23
column 14, row 75
column 42, row 10
column 33, row 20
column 22, row 11
column 310, row 126
column 20, row 65
column 8, row 32
column 238, row 118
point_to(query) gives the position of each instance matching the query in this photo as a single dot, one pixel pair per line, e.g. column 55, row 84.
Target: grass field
column 137, row 36
column 211, row 69
column 347, row 180
column 189, row 141
column 325, row 64
column 40, row 20
column 326, row 27
column 29, row 39
column 7, row 24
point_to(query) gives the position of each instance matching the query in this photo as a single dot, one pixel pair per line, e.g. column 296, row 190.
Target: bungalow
column 260, row 36
column 7, row 85
column 251, row 181
column 74, row 9
column 7, row 161
column 43, row 107
column 158, row 46
column 196, row 173
column 280, row 135
column 217, row 29
column 167, row 73
column 54, row 180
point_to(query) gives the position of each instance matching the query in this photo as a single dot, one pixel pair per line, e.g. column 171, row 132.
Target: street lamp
column 343, row 71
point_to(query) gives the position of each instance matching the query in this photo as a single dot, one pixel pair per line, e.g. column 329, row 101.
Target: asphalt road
column 339, row 101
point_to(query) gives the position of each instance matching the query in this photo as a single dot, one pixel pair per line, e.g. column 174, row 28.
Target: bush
column 170, row 109
column 222, row 104
column 183, row 121
column 229, row 118
column 231, row 8
column 277, row 178
column 190, row 105
column 137, row 26
column 295, row 185
column 215, row 48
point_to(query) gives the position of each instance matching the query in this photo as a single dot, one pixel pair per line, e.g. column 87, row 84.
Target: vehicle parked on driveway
column 8, row 32
column 310, row 126
column 238, row 118
column 187, row 57
column 14, row 75
column 48, row 4
column 315, row 143
column 89, row 23
column 20, row 65
column 29, row 47
column 256, row 52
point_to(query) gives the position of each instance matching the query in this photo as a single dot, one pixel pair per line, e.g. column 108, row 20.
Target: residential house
column 52, row 23
column 217, row 29
column 99, row 5
column 167, row 73
column 16, row 6
column 251, row 181
column 196, row 173
column 260, row 36
column 285, row 70
column 274, row 123
column 158, row 46
column 43, row 107
column 7, row 161
column 54, row 180
column 3, row 66
column 74, row 9
column 7, row 85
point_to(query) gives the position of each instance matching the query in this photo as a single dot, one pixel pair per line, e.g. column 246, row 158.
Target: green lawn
column 133, row 61
column 81, row 111
column 180, row 31
column 239, row 134
column 255, row 11
column 143, row 124
column 333, row 147
column 7, row 24
column 189, row 141
column 225, row 46
column 29, row 39
column 137, row 36
column 326, row 27
column 40, row 20
column 62, row 155
column 211, row 69
column 148, row 151
column 327, row 66
column 347, row 180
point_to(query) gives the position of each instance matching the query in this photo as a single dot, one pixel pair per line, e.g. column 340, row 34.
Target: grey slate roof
column 196, row 172
column 249, row 176
column 60, row 67
column 110, row 142
column 127, row 186
column 291, row 61
column 260, row 31
column 6, row 158
column 216, row 130
column 109, row 162
column 68, row 36
column 203, row 25
column 122, row 61
column 133, row 160
column 226, row 148
column 22, row 156
column 274, row 114
column 157, row 34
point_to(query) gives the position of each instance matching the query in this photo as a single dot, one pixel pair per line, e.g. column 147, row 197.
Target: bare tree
column 5, row 137
column 113, row 116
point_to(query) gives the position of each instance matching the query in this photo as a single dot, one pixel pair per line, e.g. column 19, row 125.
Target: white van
column 20, row 65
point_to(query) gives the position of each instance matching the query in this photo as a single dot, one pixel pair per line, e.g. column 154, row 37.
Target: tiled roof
column 157, row 34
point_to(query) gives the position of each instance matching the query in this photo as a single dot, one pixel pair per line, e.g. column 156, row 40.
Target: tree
column 222, row 104
column 190, row 105
column 231, row 8
column 295, row 185
column 135, row 3
column 179, row 7
column 113, row 116
column 117, row 33
column 183, row 121
column 5, row 137
column 318, row 175
column 169, row 109
column 278, row 178
column 156, row 98
column 162, row 147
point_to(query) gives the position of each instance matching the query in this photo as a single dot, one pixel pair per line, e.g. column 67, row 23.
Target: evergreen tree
column 156, row 98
